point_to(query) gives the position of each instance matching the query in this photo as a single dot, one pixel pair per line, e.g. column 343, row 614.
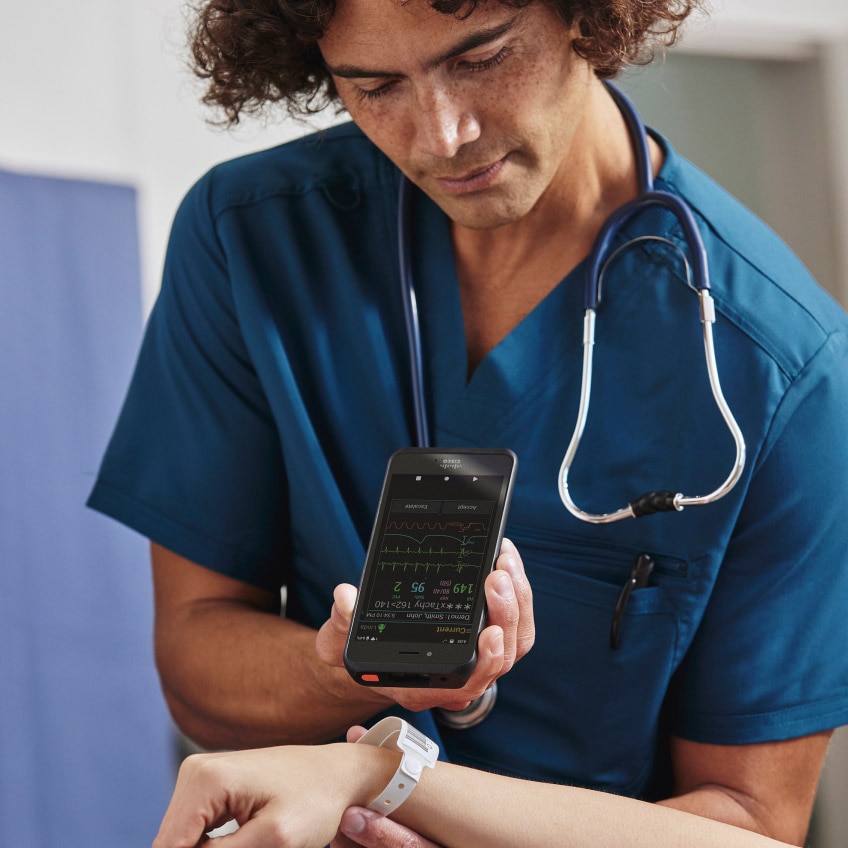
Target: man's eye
column 375, row 93
column 486, row 64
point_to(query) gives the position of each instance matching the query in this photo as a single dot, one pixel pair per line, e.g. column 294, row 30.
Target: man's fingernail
column 508, row 547
column 510, row 566
column 503, row 586
column 353, row 824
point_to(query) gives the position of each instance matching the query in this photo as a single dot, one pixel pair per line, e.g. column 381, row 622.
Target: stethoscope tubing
column 410, row 313
column 603, row 246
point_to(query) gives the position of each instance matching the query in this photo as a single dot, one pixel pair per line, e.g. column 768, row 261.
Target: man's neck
column 505, row 272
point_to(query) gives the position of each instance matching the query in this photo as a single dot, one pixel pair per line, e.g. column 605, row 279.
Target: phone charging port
column 404, row 678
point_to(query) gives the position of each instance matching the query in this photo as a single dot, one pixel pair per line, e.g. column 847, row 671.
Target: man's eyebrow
column 470, row 42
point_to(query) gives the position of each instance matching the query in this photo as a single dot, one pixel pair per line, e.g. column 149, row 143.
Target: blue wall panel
column 85, row 741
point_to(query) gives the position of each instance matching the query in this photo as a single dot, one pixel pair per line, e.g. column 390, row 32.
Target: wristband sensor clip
column 418, row 752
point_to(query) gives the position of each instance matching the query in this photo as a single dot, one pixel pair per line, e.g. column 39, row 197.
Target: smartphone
column 436, row 536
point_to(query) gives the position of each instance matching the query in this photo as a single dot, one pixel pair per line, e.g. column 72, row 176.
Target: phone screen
column 430, row 553
column 436, row 537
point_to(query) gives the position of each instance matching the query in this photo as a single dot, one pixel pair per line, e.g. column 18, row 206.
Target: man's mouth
column 474, row 179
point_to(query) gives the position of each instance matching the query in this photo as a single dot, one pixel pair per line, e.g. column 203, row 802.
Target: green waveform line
column 462, row 553
column 426, row 566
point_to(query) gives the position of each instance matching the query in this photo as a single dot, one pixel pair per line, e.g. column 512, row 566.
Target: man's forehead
column 366, row 33
column 450, row 13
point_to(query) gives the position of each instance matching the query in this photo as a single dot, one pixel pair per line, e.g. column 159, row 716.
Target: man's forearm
column 766, row 787
column 719, row 804
column 235, row 677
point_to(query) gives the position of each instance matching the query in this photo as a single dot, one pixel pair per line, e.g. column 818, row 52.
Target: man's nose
column 444, row 123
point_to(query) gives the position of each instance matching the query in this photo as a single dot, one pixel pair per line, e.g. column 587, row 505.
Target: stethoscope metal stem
column 707, row 321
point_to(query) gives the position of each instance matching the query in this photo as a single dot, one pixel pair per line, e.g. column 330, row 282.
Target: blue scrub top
column 272, row 386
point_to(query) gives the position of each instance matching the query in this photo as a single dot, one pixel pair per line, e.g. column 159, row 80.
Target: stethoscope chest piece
column 473, row 714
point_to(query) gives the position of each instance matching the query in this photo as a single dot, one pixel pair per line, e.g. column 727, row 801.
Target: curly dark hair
column 253, row 53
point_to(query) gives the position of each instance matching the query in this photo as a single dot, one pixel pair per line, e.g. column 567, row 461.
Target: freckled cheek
column 520, row 95
column 386, row 126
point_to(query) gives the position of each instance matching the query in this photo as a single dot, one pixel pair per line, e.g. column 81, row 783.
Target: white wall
column 835, row 62
column 766, row 26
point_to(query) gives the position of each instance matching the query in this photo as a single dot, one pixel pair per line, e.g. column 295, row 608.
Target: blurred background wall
column 95, row 94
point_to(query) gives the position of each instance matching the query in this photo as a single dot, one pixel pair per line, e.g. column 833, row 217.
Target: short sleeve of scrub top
column 196, row 435
column 768, row 659
column 233, row 448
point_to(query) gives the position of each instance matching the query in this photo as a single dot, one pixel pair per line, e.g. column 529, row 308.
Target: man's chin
column 482, row 213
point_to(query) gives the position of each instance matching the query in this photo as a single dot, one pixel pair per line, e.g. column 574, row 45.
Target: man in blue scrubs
column 272, row 387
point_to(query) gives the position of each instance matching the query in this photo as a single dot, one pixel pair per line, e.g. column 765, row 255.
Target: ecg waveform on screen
column 403, row 566
column 443, row 526
column 425, row 546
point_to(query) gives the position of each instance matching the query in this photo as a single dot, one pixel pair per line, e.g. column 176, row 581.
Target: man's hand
column 507, row 637
column 363, row 828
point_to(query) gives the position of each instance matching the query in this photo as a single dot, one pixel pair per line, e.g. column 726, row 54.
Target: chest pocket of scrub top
column 575, row 710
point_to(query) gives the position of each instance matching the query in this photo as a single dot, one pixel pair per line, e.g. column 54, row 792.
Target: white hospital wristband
column 418, row 752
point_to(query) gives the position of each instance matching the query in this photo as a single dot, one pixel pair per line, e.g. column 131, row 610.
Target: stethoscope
column 599, row 259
